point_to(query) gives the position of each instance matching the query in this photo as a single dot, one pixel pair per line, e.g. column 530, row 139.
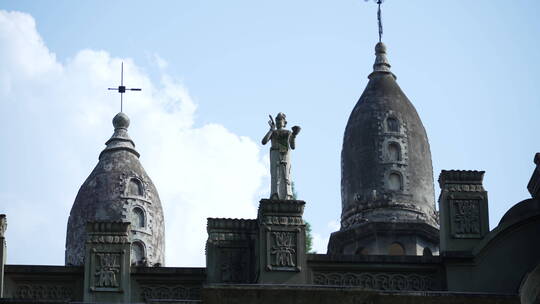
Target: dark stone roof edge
column 348, row 288
column 345, row 258
column 49, row 269
column 109, row 150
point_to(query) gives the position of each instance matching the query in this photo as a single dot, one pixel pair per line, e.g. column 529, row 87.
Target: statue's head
column 281, row 120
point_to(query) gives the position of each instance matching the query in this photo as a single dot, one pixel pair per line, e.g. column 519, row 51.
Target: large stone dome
column 118, row 189
column 386, row 170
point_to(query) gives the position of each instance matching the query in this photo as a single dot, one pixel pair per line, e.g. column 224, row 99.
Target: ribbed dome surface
column 387, row 175
column 118, row 189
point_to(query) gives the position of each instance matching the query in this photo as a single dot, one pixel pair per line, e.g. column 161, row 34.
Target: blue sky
column 214, row 70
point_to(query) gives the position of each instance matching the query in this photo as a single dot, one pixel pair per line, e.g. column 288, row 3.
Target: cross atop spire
column 122, row 89
column 379, row 19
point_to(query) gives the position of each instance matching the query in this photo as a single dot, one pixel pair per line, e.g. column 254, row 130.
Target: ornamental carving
column 283, row 220
column 464, row 188
column 377, row 281
column 107, row 239
column 43, row 292
column 170, row 292
column 107, row 270
column 283, row 250
column 465, row 215
column 227, row 236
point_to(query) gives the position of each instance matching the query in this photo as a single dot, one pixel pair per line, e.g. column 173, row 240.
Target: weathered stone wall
column 404, row 273
column 230, row 250
column 271, row 294
column 166, row 284
column 32, row 284
column 47, row 283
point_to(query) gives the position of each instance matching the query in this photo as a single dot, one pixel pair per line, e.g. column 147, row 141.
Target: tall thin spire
column 379, row 19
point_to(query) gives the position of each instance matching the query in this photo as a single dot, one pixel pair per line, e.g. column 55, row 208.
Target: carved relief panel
column 107, row 264
column 282, row 250
column 39, row 291
column 107, row 270
column 379, row 281
column 465, row 218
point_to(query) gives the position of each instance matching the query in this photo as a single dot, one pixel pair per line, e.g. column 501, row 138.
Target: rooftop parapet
column 268, row 206
column 230, row 224
column 461, row 177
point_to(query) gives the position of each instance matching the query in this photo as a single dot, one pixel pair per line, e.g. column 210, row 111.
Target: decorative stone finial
column 120, row 139
column 3, row 224
column 381, row 62
column 120, row 121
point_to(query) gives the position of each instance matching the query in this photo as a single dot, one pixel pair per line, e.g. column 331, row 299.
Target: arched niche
column 392, row 124
column 395, row 181
column 138, row 253
column 396, row 249
column 393, row 152
column 135, row 187
column 138, row 218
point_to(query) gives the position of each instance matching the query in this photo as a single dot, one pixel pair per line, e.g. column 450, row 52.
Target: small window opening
column 138, row 218
column 138, row 256
column 135, row 187
column 394, row 152
column 395, row 182
column 392, row 124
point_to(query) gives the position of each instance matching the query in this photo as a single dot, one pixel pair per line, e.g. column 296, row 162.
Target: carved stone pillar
column 463, row 206
column 107, row 263
column 3, row 251
column 230, row 250
column 282, row 242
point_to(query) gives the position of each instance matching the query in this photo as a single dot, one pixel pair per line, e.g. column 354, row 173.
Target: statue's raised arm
column 282, row 141
column 268, row 135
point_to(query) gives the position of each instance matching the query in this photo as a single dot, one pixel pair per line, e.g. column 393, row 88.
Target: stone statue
column 280, row 160
column 3, row 225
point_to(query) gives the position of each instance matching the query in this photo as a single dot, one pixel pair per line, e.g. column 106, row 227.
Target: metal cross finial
column 379, row 18
column 122, row 89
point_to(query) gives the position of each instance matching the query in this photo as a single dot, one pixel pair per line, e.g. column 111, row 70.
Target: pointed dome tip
column 120, row 121
column 120, row 139
column 381, row 64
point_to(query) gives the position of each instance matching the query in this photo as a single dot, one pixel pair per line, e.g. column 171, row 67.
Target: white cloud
column 333, row 225
column 159, row 61
column 56, row 118
column 322, row 236
column 319, row 243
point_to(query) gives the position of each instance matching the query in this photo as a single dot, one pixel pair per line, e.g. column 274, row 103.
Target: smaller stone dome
column 119, row 190
column 524, row 209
